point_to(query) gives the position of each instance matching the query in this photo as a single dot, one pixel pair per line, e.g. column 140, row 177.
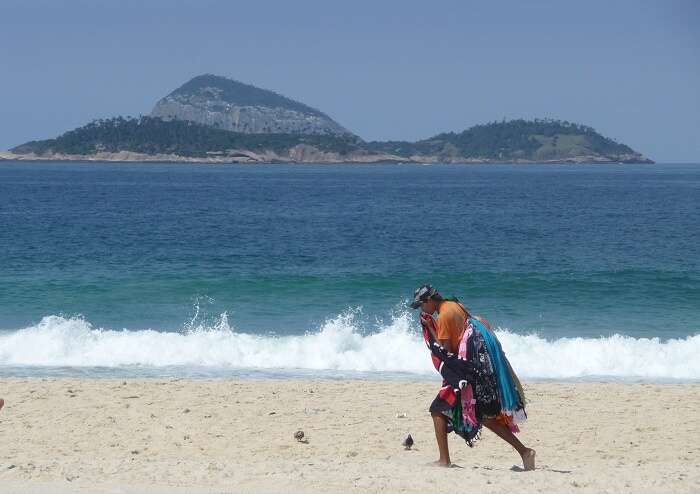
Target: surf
column 340, row 346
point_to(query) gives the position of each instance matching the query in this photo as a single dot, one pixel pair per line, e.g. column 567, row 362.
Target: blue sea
column 142, row 269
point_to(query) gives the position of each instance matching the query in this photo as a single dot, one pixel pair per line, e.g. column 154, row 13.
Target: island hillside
column 500, row 142
column 231, row 105
column 211, row 118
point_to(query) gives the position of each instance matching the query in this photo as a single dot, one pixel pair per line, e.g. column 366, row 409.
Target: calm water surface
column 281, row 249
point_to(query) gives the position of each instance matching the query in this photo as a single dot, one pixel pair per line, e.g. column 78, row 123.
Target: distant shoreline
column 131, row 157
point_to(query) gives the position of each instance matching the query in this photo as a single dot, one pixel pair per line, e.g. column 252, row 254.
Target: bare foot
column 443, row 464
column 528, row 459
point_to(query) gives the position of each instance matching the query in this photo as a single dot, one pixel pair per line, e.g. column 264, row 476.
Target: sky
column 401, row 70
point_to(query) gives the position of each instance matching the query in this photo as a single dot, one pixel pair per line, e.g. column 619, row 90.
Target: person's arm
column 445, row 328
column 428, row 322
column 447, row 345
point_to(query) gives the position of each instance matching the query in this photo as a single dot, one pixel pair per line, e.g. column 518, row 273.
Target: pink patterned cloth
column 468, row 401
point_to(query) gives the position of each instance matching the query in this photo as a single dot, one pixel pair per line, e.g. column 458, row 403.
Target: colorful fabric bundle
column 510, row 392
column 457, row 374
column 478, row 381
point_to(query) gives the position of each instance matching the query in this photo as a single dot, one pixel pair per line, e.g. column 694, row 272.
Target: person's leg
column 2, row 403
column 502, row 431
column 440, row 423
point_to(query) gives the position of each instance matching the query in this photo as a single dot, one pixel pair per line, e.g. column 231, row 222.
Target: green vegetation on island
column 149, row 135
column 512, row 140
column 506, row 141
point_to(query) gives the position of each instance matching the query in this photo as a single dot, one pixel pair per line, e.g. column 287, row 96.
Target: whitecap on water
column 338, row 345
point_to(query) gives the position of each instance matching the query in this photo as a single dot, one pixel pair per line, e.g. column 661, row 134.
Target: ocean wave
column 338, row 345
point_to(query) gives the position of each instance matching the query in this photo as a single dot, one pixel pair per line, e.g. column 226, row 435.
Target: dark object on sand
column 408, row 442
column 299, row 436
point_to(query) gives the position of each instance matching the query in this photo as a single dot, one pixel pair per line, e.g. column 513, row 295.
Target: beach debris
column 401, row 415
column 186, row 410
column 408, row 442
column 299, row 436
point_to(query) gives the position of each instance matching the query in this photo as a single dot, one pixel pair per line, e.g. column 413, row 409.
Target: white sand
column 220, row 436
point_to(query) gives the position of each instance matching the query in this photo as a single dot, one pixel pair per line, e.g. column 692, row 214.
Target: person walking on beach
column 479, row 385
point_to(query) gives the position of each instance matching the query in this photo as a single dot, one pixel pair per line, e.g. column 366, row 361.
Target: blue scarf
column 508, row 392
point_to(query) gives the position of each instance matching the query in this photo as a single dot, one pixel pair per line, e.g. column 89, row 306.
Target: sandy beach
column 216, row 436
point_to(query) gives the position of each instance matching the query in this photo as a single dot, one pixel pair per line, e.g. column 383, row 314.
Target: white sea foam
column 338, row 345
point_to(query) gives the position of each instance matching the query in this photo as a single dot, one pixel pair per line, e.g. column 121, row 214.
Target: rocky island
column 231, row 105
column 214, row 119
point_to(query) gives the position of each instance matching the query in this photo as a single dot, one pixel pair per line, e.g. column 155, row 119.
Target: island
column 217, row 120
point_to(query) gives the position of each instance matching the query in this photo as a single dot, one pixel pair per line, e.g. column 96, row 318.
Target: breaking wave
column 339, row 345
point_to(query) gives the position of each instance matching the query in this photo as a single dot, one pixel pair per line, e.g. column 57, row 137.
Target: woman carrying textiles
column 479, row 386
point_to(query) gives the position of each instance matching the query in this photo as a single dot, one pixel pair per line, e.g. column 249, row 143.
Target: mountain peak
column 228, row 104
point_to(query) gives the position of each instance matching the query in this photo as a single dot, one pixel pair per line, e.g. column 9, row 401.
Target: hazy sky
column 383, row 69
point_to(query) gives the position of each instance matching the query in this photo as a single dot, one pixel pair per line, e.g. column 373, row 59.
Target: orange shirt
column 451, row 322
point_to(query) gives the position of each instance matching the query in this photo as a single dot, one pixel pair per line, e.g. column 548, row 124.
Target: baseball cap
column 422, row 294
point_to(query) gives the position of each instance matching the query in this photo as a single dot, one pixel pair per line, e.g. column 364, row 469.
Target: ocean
column 589, row 272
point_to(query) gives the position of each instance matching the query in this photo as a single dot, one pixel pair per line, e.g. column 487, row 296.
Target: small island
column 213, row 119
